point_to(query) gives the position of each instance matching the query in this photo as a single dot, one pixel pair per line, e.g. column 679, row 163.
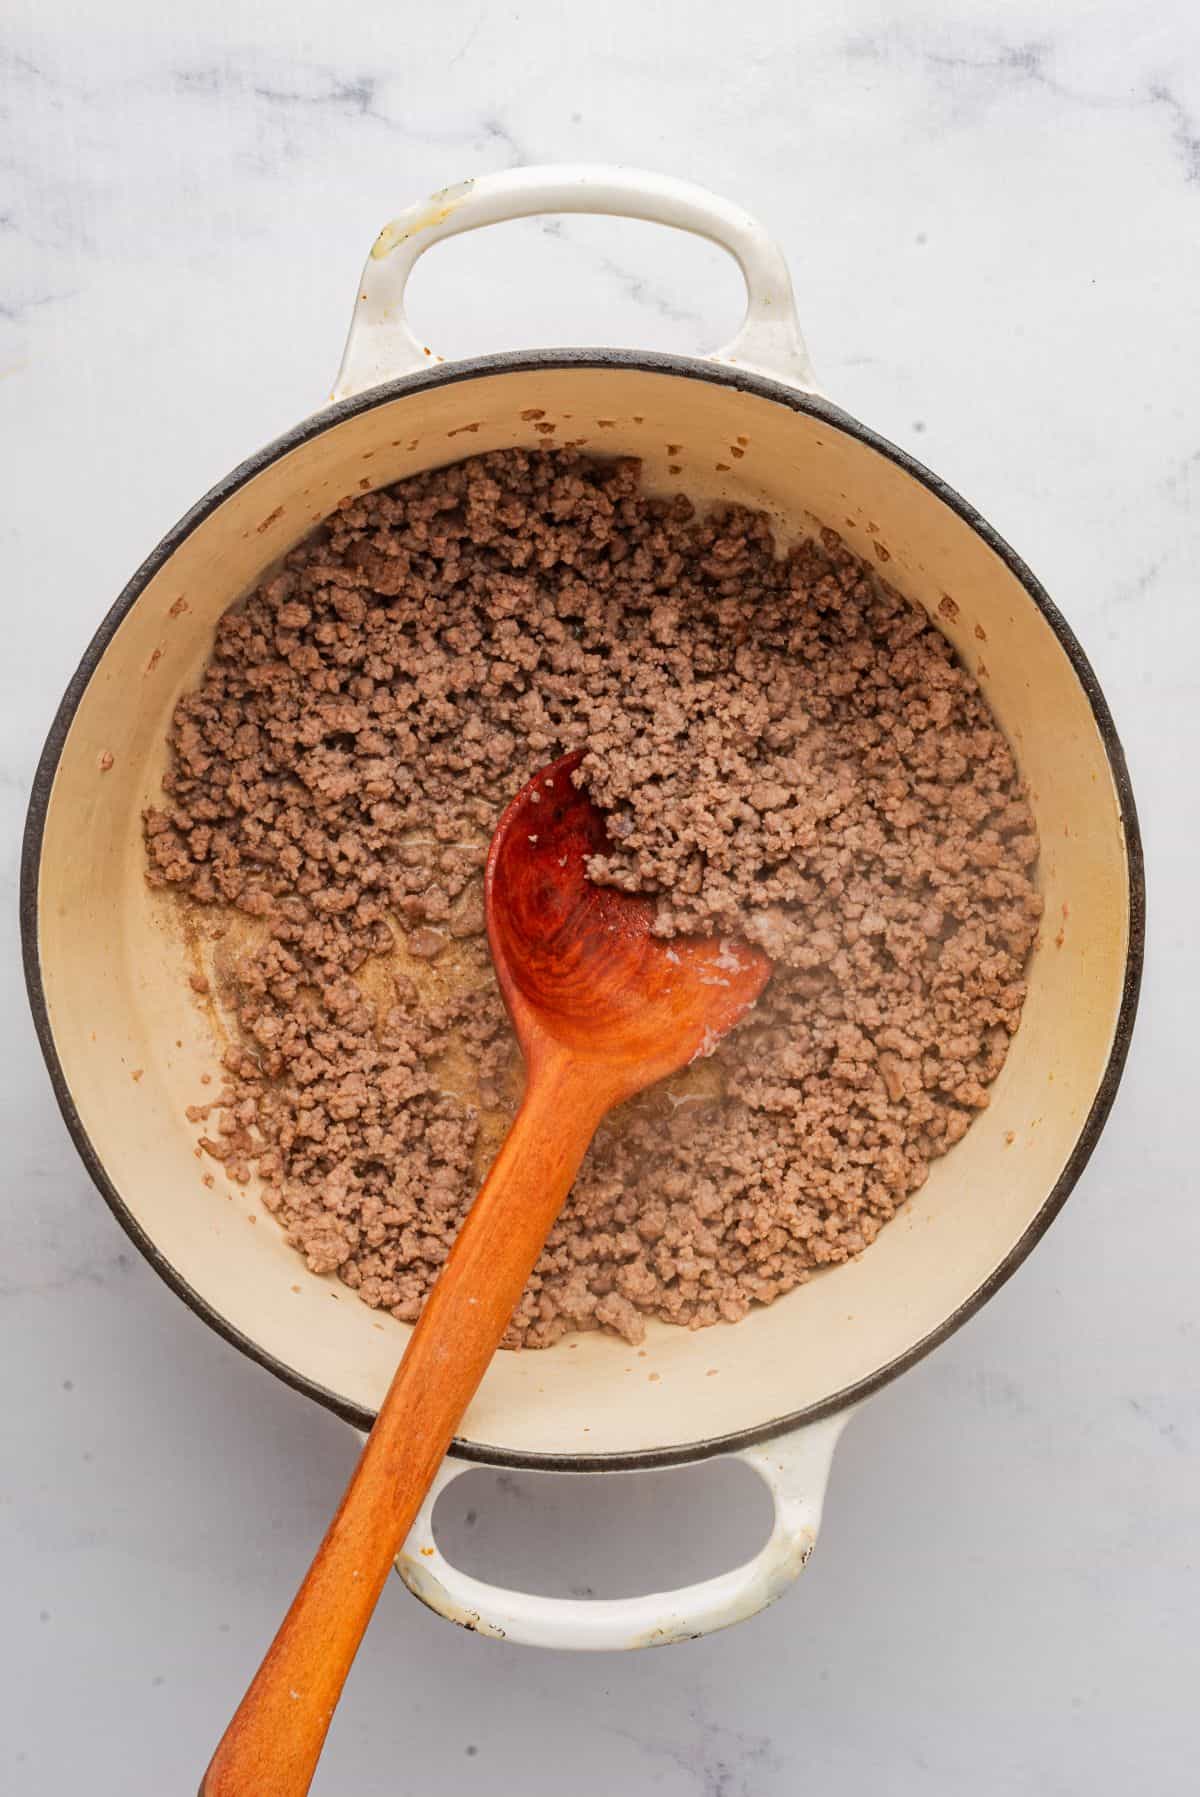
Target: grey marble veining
column 993, row 219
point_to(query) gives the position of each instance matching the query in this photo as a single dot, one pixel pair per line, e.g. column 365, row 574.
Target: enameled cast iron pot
column 107, row 964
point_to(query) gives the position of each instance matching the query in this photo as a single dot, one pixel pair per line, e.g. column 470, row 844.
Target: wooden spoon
column 601, row 1009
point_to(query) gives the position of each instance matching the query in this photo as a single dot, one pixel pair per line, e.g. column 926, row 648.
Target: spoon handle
column 274, row 1741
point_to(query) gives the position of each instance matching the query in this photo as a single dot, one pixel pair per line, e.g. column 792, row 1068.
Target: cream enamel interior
column 115, row 962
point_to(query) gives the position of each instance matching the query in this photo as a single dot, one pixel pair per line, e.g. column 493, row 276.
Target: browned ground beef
column 788, row 750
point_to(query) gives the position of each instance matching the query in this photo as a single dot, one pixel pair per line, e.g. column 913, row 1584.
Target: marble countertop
column 994, row 231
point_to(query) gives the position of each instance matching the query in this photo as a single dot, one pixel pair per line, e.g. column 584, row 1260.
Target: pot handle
column 794, row 1468
column 381, row 347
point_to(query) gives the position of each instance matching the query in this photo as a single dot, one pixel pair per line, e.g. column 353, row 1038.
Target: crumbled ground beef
column 788, row 750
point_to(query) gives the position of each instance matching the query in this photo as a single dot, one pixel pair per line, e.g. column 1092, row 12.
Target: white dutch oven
column 107, row 961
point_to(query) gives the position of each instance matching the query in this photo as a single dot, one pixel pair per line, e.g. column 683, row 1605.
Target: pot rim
column 530, row 361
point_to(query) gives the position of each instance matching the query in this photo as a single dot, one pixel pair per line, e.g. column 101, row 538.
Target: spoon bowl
column 578, row 964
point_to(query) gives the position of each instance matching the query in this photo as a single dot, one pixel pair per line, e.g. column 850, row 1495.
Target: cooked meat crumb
column 787, row 750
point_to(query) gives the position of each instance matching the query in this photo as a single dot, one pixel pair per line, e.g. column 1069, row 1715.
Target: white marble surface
column 993, row 217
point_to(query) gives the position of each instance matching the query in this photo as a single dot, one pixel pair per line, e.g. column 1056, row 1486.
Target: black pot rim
column 526, row 362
